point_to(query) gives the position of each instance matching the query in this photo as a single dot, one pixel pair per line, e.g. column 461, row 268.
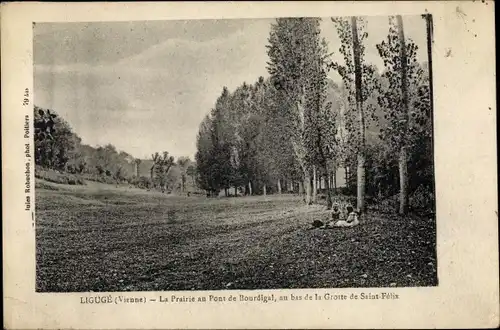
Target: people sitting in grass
column 341, row 216
column 351, row 220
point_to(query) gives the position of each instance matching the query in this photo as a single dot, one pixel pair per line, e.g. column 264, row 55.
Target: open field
column 102, row 238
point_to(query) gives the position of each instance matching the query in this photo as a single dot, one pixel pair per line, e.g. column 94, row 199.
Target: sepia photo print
column 234, row 154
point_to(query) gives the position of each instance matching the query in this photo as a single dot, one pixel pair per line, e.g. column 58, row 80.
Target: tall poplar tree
column 359, row 84
column 405, row 93
column 294, row 51
column 205, row 158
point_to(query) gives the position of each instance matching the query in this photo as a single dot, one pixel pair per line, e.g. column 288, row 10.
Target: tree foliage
column 298, row 58
column 405, row 101
column 240, row 144
column 55, row 142
column 58, row 148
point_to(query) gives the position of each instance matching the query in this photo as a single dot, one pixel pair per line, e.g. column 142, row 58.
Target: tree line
column 292, row 131
column 59, row 149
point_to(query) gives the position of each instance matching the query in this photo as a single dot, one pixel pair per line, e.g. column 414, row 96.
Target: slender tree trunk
column 361, row 182
column 315, row 186
column 299, row 146
column 279, row 186
column 264, row 189
column 328, row 192
column 301, row 188
column 308, row 188
column 250, row 188
column 360, row 111
column 346, row 174
column 403, row 156
column 335, row 180
column 235, row 191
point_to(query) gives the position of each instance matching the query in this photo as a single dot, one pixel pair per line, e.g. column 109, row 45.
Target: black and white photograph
column 234, row 154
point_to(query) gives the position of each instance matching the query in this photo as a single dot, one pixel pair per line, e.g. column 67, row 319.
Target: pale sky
column 146, row 86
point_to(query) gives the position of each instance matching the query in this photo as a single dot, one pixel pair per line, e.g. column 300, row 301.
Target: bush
column 387, row 205
column 197, row 193
column 347, row 191
column 58, row 177
column 39, row 184
column 99, row 178
column 422, row 199
column 141, row 182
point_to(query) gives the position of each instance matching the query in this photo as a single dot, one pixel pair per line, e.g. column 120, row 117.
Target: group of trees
column 242, row 143
column 55, row 143
column 298, row 126
column 292, row 130
column 58, row 148
column 166, row 173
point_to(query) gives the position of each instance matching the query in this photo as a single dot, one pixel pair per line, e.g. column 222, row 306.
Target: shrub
column 387, row 205
column 58, row 177
column 142, row 182
column 197, row 193
column 422, row 199
column 39, row 184
column 99, row 178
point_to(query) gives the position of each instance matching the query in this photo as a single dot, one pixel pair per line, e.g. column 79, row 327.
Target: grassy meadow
column 100, row 237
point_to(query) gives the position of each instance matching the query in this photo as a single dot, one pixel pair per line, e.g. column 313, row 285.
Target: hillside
column 61, row 157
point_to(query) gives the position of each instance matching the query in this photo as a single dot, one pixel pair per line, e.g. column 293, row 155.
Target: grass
column 102, row 238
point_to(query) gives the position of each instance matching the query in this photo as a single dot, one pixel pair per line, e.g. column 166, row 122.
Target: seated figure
column 351, row 220
column 336, row 212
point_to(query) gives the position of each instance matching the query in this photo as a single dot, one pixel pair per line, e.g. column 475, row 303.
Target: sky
column 145, row 86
